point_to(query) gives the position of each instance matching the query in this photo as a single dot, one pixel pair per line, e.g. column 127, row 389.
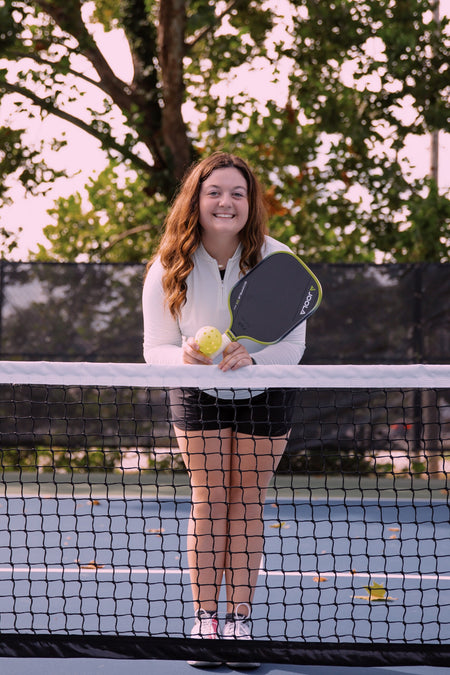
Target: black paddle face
column 273, row 298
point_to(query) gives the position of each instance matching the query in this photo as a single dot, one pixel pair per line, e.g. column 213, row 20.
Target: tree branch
column 123, row 235
column 68, row 18
column 106, row 140
column 140, row 103
column 208, row 29
column 46, row 62
column 142, row 38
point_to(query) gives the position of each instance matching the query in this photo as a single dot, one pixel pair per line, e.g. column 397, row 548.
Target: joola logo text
column 307, row 302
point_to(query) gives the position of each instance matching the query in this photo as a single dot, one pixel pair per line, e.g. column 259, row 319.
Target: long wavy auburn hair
column 182, row 231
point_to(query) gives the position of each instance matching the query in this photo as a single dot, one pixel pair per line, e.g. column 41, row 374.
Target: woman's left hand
column 235, row 356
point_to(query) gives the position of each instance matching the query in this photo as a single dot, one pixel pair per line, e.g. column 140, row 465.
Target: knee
column 208, row 501
column 256, row 481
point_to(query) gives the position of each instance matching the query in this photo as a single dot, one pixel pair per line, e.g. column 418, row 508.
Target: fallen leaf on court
column 93, row 502
column 274, row 506
column 394, row 529
column 319, row 579
column 156, row 530
column 377, row 592
column 281, row 525
column 91, row 566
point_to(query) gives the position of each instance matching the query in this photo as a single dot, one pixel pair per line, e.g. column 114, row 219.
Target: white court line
column 114, row 571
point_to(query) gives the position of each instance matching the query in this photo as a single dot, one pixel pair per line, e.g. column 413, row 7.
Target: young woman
column 231, row 441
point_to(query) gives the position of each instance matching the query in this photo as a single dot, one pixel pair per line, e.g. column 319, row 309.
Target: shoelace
column 241, row 630
column 208, row 625
column 237, row 623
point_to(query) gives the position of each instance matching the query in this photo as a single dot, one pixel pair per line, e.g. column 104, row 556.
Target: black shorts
column 266, row 414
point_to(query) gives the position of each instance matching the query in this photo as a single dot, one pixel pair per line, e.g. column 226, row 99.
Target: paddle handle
column 225, row 342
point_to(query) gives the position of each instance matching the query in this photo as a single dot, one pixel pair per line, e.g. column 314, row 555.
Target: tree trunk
column 171, row 45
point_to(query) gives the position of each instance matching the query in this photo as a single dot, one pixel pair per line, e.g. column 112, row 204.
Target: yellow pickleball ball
column 208, row 339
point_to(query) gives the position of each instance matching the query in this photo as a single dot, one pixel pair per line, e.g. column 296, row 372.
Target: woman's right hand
column 192, row 354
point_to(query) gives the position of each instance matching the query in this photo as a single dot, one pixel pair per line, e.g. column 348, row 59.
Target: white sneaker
column 238, row 628
column 206, row 627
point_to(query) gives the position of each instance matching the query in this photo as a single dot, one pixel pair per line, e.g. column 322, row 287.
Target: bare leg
column 207, row 456
column 254, row 460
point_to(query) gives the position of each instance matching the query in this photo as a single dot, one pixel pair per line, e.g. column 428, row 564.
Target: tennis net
column 95, row 504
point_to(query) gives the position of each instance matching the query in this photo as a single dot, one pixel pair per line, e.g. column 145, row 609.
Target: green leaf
column 376, row 593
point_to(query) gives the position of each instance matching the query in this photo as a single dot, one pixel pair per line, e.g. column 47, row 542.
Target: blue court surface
column 126, row 667
column 118, row 566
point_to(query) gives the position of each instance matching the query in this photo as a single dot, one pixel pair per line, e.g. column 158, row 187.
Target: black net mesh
column 325, row 508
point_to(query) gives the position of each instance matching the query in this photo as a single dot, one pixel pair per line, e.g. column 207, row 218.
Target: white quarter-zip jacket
column 206, row 305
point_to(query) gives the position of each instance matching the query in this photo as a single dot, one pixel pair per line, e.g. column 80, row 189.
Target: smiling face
column 223, row 204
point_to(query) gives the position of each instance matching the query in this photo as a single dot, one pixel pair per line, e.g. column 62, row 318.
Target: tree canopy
column 352, row 82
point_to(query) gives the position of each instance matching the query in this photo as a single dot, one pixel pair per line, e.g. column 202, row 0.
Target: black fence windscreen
column 397, row 313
